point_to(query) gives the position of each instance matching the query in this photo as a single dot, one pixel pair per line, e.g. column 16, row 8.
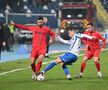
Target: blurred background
column 69, row 14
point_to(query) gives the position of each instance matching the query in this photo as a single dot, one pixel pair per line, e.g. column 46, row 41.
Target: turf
column 55, row 78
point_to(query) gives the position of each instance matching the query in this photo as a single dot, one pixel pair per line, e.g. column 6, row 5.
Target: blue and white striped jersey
column 74, row 42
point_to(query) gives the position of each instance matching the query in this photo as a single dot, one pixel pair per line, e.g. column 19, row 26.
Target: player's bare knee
column 96, row 60
column 61, row 64
column 85, row 59
column 32, row 60
column 58, row 60
column 40, row 58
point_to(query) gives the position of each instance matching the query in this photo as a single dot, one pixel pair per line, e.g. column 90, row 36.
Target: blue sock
column 51, row 65
column 66, row 71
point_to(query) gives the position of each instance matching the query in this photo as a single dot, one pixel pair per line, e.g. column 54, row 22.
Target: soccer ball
column 40, row 77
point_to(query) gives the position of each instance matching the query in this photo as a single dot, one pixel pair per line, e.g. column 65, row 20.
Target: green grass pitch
column 56, row 79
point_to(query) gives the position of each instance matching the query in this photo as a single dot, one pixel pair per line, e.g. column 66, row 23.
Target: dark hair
column 90, row 24
column 72, row 30
column 40, row 18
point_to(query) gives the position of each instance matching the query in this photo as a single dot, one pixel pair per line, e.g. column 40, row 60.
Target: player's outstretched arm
column 86, row 36
column 20, row 26
column 63, row 41
column 103, row 42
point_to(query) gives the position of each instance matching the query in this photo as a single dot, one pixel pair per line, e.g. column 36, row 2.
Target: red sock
column 38, row 66
column 33, row 67
column 83, row 65
column 98, row 66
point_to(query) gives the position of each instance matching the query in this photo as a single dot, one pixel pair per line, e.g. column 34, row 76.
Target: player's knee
column 41, row 57
column 58, row 60
column 96, row 61
column 84, row 60
column 32, row 60
column 40, row 60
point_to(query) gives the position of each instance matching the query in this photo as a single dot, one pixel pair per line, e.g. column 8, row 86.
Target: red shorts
column 91, row 53
column 36, row 51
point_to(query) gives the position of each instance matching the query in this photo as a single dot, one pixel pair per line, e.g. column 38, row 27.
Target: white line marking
column 14, row 70
column 20, row 69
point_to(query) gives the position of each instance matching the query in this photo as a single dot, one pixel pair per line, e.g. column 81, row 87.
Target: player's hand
column 57, row 33
column 12, row 23
column 102, row 49
column 4, row 43
column 50, row 41
column 94, row 37
column 45, row 20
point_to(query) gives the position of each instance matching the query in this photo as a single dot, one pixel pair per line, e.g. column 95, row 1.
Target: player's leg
column 83, row 65
column 41, row 55
column 97, row 62
column 32, row 61
column 39, row 63
column 88, row 55
column 47, row 50
column 52, row 64
column 67, row 59
column 66, row 71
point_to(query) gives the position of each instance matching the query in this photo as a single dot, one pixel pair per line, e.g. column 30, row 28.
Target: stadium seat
column 105, row 4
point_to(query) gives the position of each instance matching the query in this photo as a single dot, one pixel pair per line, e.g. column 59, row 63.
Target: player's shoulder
column 46, row 28
column 31, row 28
column 96, row 32
column 35, row 26
column 78, row 34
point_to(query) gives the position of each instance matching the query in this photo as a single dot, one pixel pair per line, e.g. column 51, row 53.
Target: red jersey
column 94, row 44
column 39, row 34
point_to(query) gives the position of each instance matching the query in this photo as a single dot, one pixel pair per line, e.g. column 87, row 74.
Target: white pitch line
column 14, row 70
column 20, row 69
